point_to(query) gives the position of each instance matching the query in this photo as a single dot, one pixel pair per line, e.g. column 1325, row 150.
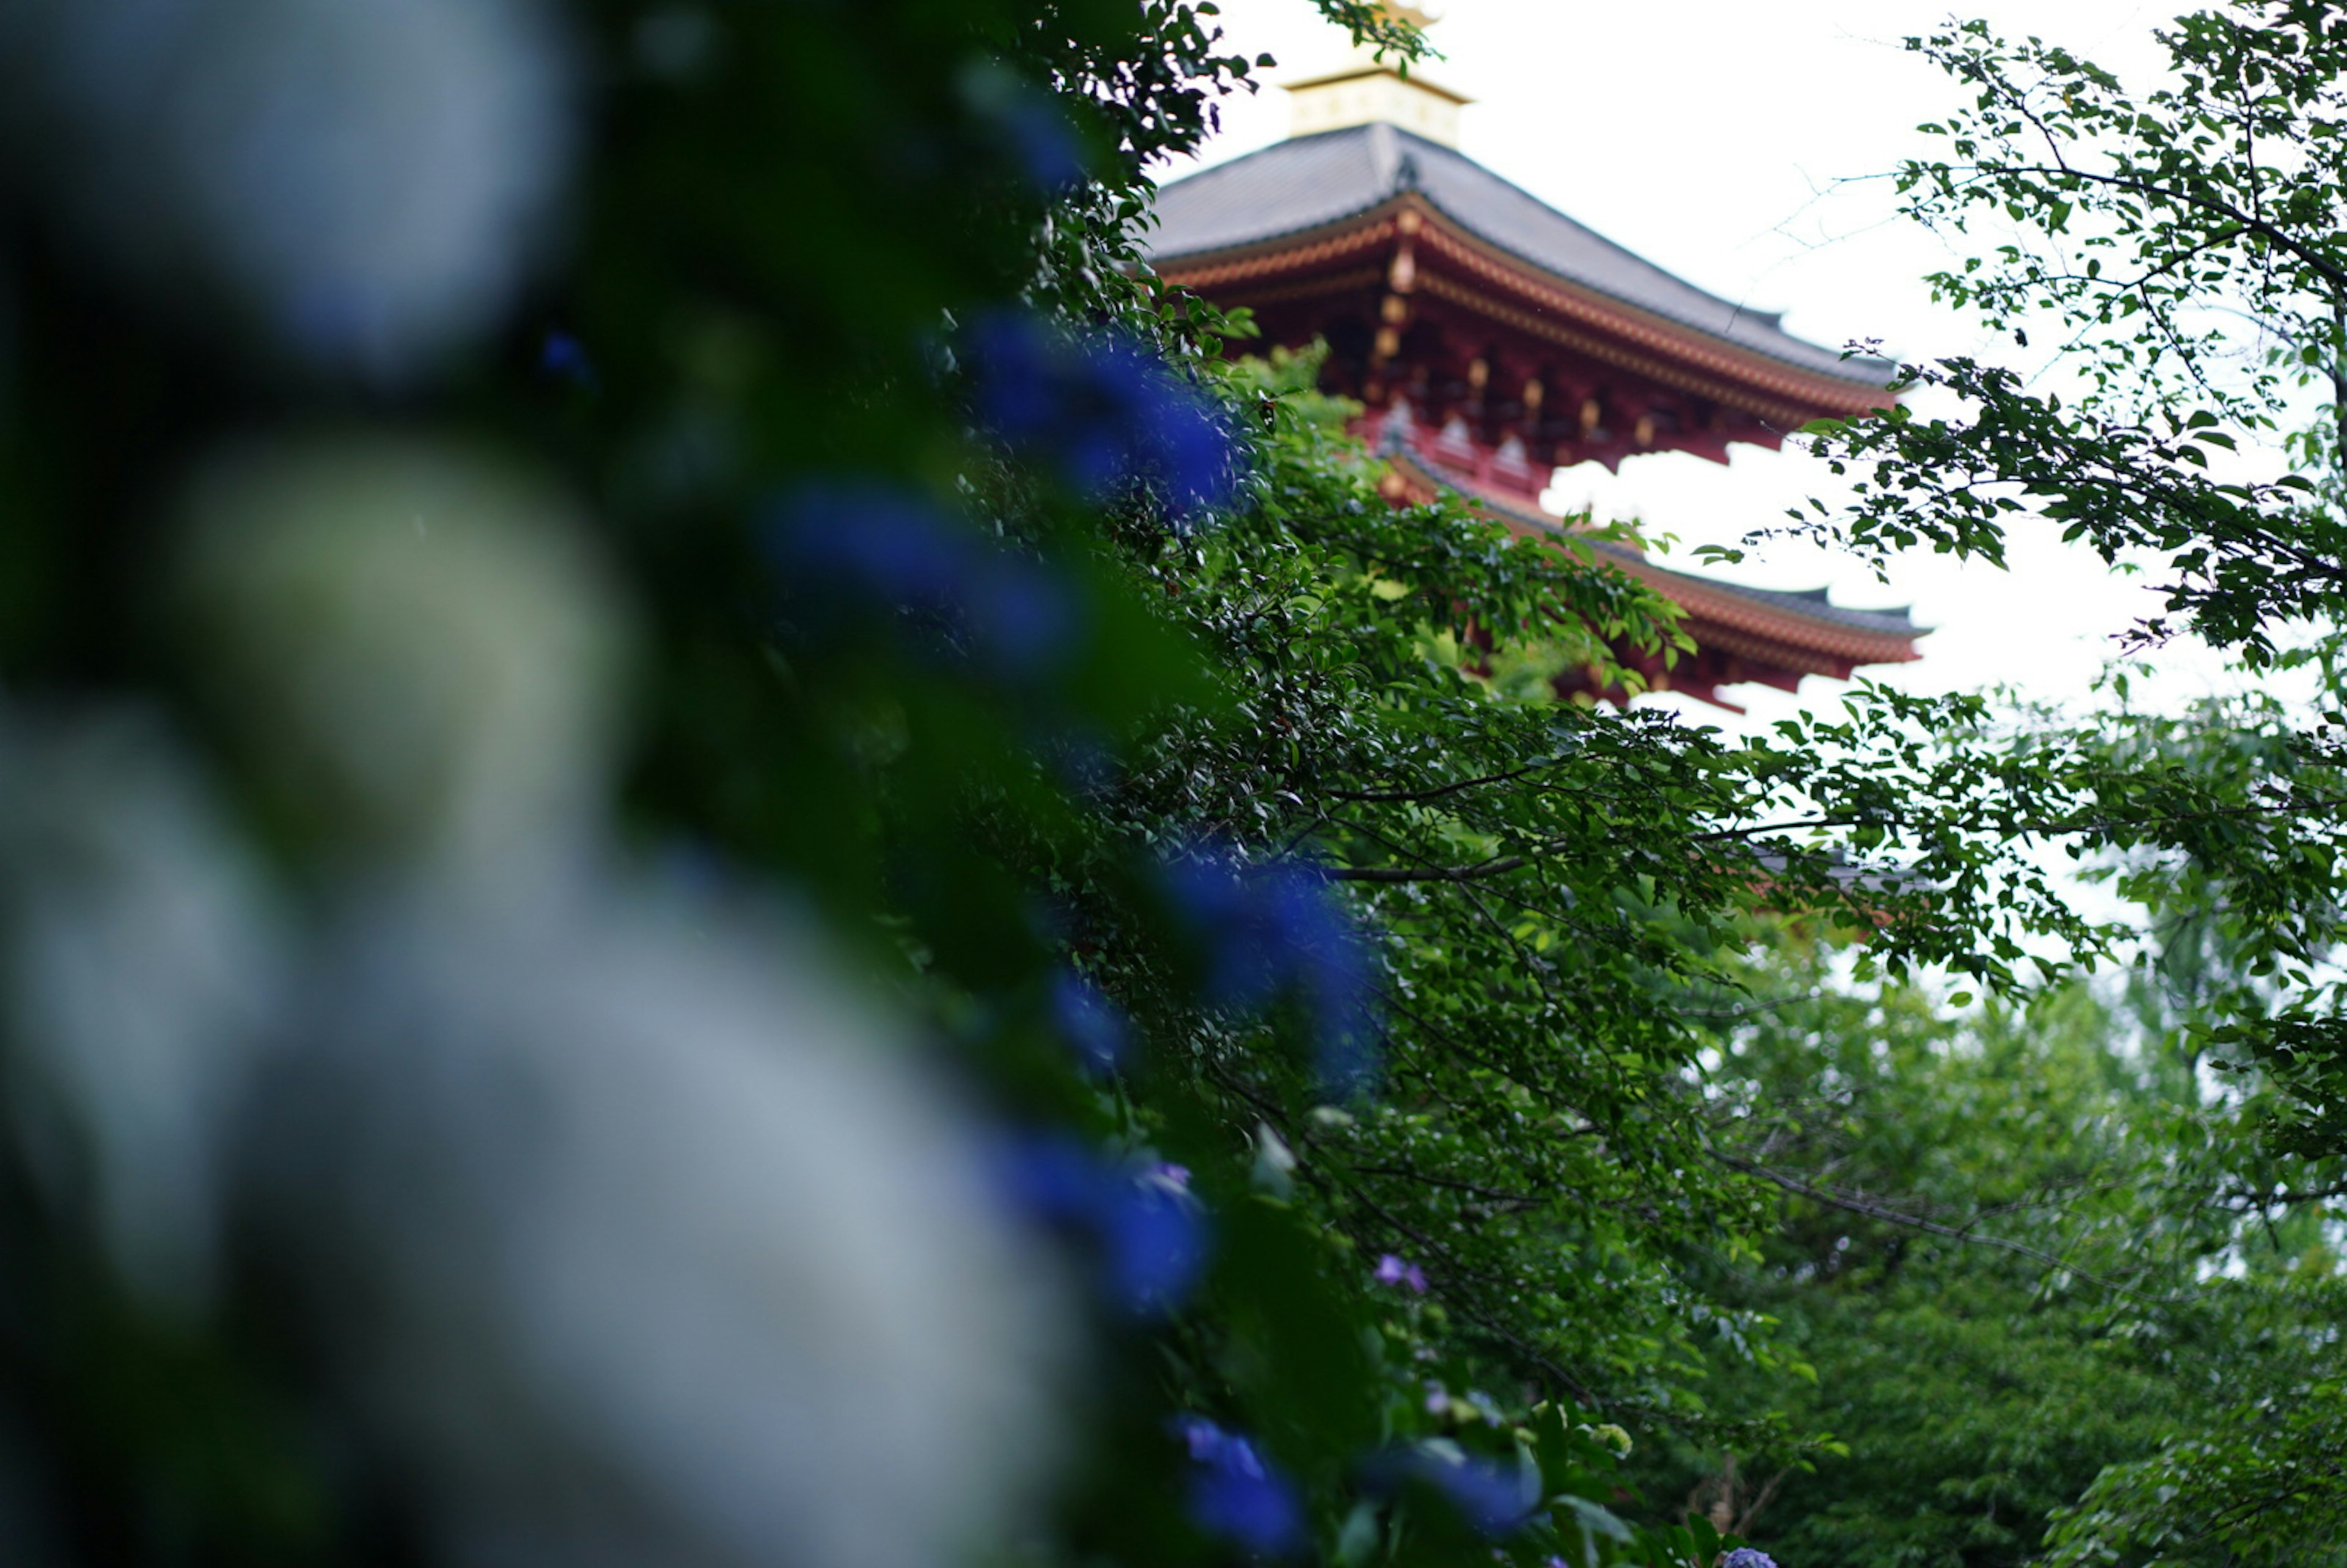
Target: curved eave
column 1753, row 623
column 1541, row 303
column 1720, row 616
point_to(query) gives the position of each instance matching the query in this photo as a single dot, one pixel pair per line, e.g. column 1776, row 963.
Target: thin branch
column 1439, row 791
column 2247, row 1200
column 1868, row 1208
column 1399, row 874
column 2328, row 270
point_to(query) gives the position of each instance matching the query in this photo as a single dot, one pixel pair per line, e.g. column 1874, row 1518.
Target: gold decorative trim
column 1263, row 257
column 1326, row 283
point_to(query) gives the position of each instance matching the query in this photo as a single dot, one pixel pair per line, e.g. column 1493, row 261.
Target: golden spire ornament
column 1370, row 89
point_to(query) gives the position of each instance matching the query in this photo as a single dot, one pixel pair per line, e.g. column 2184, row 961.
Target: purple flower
column 1103, row 414
column 1748, row 1557
column 1202, row 1437
column 1276, row 931
column 1148, row 1233
column 842, row 546
column 1235, row 1494
column 1392, row 1270
column 1090, row 1022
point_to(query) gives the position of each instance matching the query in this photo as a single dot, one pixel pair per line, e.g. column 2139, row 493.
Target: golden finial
column 1374, row 86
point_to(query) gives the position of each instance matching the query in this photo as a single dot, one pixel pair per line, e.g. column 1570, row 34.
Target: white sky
column 1731, row 142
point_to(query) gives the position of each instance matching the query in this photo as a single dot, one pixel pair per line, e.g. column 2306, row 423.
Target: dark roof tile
column 1307, row 181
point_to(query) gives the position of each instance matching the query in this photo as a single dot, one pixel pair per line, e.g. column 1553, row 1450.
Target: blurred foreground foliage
column 1439, row 1084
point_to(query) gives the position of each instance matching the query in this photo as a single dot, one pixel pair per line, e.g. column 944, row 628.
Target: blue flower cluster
column 562, row 357
column 1149, row 1231
column 1047, row 150
column 1104, row 415
column 1492, row 1498
column 1279, row 931
column 1748, row 1557
column 1495, row 1499
column 847, row 545
column 1235, row 1494
column 1027, row 125
column 1090, row 1022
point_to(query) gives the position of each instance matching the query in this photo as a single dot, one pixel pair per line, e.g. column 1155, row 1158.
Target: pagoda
column 1491, row 339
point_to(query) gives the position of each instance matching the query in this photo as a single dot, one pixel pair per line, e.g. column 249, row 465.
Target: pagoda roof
column 1796, row 631
column 1314, row 182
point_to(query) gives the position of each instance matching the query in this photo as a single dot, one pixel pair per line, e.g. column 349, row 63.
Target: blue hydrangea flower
column 1748, row 1557
column 563, row 357
column 1149, row 1233
column 841, row 545
column 1155, row 1236
column 1090, row 1022
column 1279, row 931
column 1027, row 124
column 1235, row 1494
column 1495, row 1499
column 1103, row 415
column 1492, row 1498
column 1046, row 148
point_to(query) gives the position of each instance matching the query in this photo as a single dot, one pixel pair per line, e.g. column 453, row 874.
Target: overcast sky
column 1741, row 145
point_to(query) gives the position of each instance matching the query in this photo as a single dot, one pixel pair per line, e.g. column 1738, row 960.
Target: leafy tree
column 2005, row 1258
column 2178, row 242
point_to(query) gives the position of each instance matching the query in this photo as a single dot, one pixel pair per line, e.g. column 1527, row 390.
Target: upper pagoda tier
column 1491, row 339
column 1504, row 325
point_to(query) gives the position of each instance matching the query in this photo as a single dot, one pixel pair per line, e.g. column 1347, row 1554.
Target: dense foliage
column 2010, row 1255
column 1436, row 1086
column 2179, row 240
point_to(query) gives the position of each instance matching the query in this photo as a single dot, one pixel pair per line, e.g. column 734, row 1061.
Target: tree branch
column 1857, row 1204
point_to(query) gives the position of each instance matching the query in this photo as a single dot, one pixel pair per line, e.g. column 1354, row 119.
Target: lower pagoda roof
column 1772, row 637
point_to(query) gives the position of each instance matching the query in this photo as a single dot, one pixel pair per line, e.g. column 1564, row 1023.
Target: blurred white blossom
column 362, row 182
column 631, row 1230
column 422, row 657
column 635, row 1237
column 140, row 968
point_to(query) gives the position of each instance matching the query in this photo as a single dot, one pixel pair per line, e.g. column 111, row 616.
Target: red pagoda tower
column 1493, row 340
